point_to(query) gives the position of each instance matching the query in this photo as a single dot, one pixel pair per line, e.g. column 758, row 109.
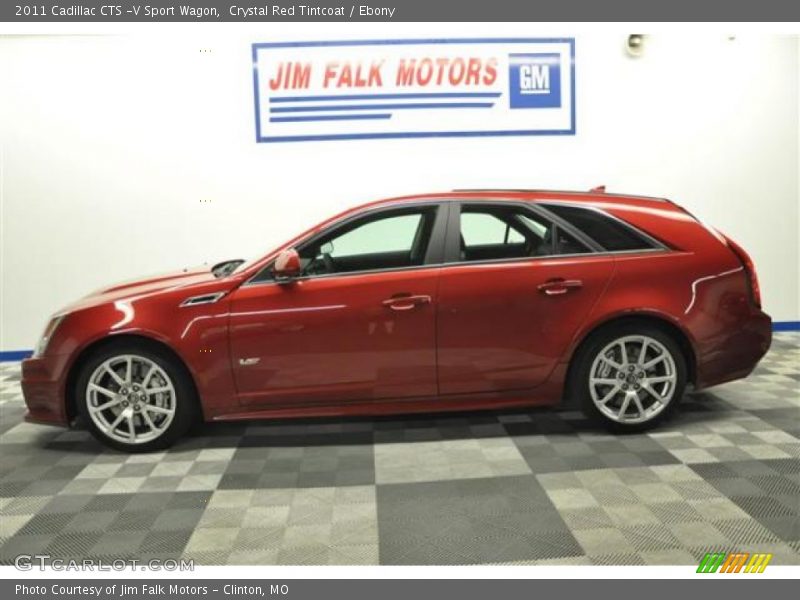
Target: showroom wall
column 129, row 155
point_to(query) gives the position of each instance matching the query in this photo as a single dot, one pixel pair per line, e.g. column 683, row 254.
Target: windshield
column 225, row 268
column 246, row 264
column 241, row 264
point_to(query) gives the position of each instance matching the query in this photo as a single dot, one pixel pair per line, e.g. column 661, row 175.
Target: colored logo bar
column 735, row 562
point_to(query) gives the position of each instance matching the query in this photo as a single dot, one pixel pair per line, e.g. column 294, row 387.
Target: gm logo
column 534, row 80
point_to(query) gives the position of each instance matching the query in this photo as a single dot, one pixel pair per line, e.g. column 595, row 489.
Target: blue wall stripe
column 14, row 355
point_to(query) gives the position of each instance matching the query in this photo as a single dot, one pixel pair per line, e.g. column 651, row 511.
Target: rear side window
column 606, row 231
column 492, row 232
column 483, row 229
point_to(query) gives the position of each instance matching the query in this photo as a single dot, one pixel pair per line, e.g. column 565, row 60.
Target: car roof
column 596, row 197
column 592, row 197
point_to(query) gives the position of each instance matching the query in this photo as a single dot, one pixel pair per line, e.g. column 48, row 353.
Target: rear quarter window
column 607, row 231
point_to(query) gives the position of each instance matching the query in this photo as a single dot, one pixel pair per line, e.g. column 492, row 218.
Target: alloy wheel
column 131, row 399
column 633, row 379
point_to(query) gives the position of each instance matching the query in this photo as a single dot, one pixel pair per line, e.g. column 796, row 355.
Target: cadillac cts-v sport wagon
column 437, row 302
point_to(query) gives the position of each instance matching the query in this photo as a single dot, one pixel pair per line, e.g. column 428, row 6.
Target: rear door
column 515, row 289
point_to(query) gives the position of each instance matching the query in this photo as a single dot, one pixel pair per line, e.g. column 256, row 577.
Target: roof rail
column 522, row 190
column 596, row 190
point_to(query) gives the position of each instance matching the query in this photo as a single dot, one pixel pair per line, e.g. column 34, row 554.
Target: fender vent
column 202, row 299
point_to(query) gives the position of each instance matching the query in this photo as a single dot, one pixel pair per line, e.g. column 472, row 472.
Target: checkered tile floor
column 530, row 487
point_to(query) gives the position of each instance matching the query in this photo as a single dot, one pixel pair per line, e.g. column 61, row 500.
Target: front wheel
column 630, row 377
column 135, row 399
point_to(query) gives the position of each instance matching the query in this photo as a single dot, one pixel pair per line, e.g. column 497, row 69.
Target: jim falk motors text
column 158, row 589
column 458, row 71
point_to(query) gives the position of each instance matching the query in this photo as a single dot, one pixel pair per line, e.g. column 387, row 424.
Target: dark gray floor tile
column 468, row 521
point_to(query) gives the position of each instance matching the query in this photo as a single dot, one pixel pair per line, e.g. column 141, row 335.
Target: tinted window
column 566, row 243
column 491, row 232
column 387, row 240
column 606, row 231
column 482, row 228
column 392, row 234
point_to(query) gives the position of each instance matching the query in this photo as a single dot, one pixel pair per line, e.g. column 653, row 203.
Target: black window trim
column 654, row 243
column 587, row 241
column 434, row 254
column 447, row 228
column 452, row 244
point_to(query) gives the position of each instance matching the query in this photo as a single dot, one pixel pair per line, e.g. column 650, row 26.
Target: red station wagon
column 437, row 302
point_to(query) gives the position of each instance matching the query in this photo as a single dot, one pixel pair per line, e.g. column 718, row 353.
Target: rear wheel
column 135, row 398
column 630, row 377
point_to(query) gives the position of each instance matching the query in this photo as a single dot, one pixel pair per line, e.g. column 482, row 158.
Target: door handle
column 556, row 287
column 406, row 301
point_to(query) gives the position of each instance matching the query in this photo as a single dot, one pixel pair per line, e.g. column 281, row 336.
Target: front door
column 357, row 325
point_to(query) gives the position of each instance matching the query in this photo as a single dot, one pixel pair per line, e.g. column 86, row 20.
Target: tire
column 155, row 394
column 603, row 389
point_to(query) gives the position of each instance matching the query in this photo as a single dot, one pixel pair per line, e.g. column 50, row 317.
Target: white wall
column 110, row 143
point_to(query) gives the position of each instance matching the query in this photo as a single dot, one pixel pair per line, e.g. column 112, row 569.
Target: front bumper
column 43, row 390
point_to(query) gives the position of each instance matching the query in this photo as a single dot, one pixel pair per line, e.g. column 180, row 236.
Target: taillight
column 749, row 269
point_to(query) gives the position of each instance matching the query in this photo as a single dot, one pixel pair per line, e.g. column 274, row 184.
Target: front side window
column 392, row 234
column 388, row 240
column 492, row 232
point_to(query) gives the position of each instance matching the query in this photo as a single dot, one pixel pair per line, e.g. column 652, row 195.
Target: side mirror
column 287, row 265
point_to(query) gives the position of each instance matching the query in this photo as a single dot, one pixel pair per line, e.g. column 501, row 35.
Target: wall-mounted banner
column 344, row 90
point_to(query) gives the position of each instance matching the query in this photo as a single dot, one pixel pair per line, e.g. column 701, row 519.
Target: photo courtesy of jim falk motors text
column 126, row 590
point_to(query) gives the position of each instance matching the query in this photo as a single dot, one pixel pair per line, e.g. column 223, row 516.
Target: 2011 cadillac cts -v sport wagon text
column 454, row 301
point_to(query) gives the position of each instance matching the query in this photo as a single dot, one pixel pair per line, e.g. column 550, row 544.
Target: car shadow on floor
column 695, row 410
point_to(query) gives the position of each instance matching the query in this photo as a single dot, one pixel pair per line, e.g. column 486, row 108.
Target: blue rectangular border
column 411, row 134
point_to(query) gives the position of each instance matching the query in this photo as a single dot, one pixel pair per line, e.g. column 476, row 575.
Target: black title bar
column 49, row 11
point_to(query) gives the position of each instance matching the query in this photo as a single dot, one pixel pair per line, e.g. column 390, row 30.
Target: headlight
column 48, row 333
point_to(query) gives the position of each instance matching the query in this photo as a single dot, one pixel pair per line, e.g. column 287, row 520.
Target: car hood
column 148, row 286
